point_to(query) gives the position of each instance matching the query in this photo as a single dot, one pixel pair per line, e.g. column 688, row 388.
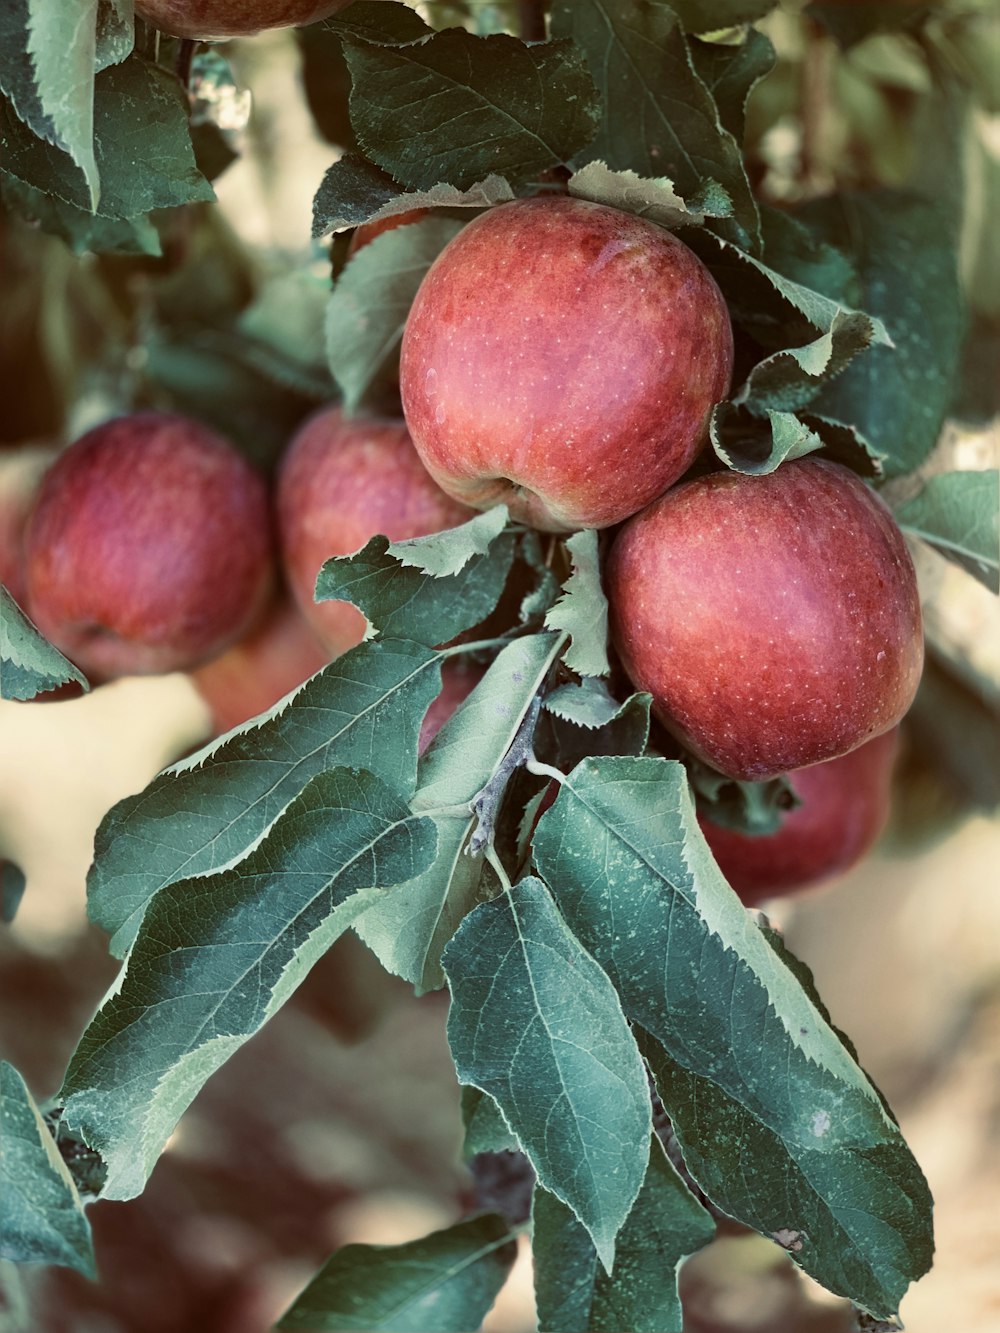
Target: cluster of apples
column 774, row 620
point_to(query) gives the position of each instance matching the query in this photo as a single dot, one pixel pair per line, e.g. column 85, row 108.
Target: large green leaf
column 29, row 664
column 142, row 142
column 776, row 1121
column 402, row 602
column 443, row 1283
column 659, row 117
column 365, row 708
column 215, row 957
column 42, row 1218
column 457, row 108
column 470, row 752
column 574, row 1294
column 958, row 513
column 371, row 301
column 536, row 1024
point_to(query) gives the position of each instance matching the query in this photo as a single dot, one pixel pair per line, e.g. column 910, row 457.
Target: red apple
column 21, row 472
column 844, row 807
column 563, row 357
column 149, row 548
column 262, row 668
column 775, row 620
column 458, row 680
column 232, row 18
column 342, row 481
column 367, row 232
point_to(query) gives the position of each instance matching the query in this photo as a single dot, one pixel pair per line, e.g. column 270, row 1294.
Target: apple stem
column 541, row 770
column 498, row 870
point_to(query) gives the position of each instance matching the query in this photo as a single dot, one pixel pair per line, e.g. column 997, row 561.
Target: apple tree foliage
column 603, row 977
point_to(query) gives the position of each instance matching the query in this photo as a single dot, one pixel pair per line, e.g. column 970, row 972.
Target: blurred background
column 340, row 1121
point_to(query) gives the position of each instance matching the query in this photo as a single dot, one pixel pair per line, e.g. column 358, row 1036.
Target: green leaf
column 574, row 1295
column 217, row 955
column 905, row 252
column 355, row 191
column 659, row 117
column 444, row 1283
column 582, row 610
column 777, row 1123
column 43, row 1217
column 409, row 931
column 204, row 813
column 631, row 193
column 732, row 72
column 29, row 664
column 445, row 554
column 142, row 143
column 485, row 1128
column 458, row 108
column 82, row 231
column 588, row 704
column 372, row 298
column 379, row 22
column 958, row 513
column 754, row 447
column 404, row 603
column 565, row 737
column 12, row 886
column 746, row 807
column 535, row 1023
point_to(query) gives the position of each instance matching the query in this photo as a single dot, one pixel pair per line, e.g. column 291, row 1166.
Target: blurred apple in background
column 232, row 18
column 342, row 481
column 775, row 620
column 844, row 807
column 563, row 357
column 21, row 472
column 149, row 548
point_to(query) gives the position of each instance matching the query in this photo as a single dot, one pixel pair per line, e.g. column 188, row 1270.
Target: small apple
column 563, row 357
column 210, row 19
column 844, row 807
column 342, row 481
column 149, row 548
column 21, row 472
column 775, row 620
column 252, row 675
column 367, row 232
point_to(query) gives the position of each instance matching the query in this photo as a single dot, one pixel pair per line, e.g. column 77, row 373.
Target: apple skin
column 149, row 548
column 845, row 805
column 775, row 620
column 342, row 481
column 563, row 357
column 208, row 19
column 21, row 472
column 252, row 675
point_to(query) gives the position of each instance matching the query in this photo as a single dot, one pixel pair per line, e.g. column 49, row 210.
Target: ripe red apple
column 563, row 357
column 775, row 620
column 275, row 657
column 232, row 18
column 844, row 808
column 342, row 481
column 149, row 548
column 21, row 472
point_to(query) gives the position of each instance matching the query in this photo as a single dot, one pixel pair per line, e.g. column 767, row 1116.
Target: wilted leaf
column 535, row 1023
column 445, row 554
column 216, row 956
column 29, row 664
column 755, row 447
column 656, row 200
column 43, row 1218
column 443, row 1283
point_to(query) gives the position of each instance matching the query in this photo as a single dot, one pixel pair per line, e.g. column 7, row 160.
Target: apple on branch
column 344, row 480
column 775, row 620
column 563, row 357
column 149, row 548
column 21, row 472
column 208, row 19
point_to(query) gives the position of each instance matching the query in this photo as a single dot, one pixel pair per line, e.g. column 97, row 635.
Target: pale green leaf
column 215, row 956
column 655, row 199
column 958, row 513
column 582, row 610
column 485, row 1128
column 29, row 664
column 443, row 554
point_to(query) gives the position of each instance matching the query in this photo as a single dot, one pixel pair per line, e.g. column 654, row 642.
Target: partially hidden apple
column 251, row 676
column 563, row 357
column 775, row 620
column 21, row 472
column 209, row 19
column 342, row 481
column 844, row 807
column 149, row 548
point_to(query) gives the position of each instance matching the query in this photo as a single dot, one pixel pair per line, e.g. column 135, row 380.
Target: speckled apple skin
column 220, row 19
column 775, row 620
column 342, row 481
column 150, row 547
column 844, row 807
column 563, row 357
